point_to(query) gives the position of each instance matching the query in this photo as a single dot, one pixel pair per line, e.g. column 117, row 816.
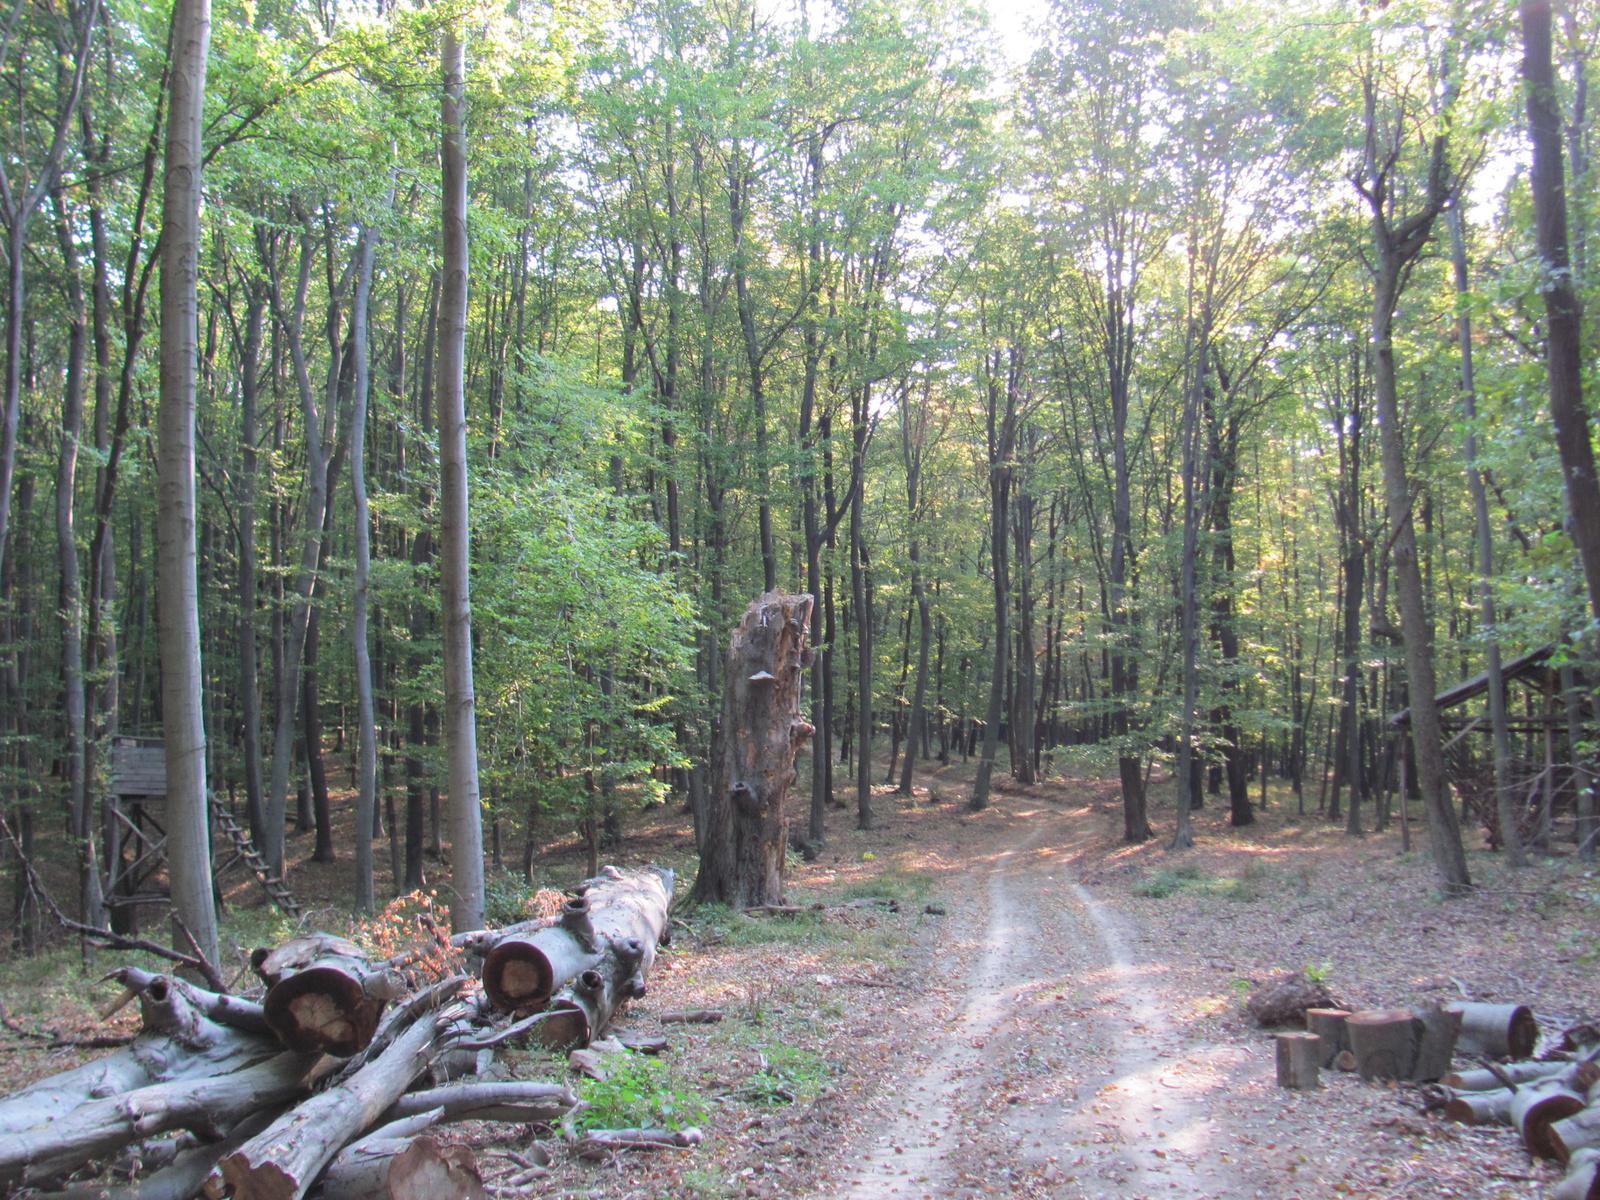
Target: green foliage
column 640, row 1090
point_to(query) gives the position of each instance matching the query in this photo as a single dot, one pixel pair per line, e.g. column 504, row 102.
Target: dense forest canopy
column 1161, row 400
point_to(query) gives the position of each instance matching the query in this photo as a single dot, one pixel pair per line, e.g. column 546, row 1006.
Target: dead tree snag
column 747, row 831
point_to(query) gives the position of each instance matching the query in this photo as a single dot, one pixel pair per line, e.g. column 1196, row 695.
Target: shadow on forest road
column 1053, row 1065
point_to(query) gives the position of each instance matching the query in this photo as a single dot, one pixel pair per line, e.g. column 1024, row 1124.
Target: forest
column 1187, row 395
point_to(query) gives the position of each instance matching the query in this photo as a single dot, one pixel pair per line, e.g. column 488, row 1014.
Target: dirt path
column 1056, row 1065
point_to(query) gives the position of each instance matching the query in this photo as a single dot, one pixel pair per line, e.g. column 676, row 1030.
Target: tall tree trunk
column 1024, row 706
column 1001, row 434
column 863, row 613
column 249, row 682
column 1505, row 811
column 182, row 711
column 1563, row 313
column 461, row 732
column 1397, row 243
column 366, row 716
column 79, row 807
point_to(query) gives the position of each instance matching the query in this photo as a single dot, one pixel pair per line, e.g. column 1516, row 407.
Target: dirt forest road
column 1052, row 1059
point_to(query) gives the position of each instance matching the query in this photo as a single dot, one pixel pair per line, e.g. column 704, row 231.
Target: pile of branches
column 330, row 1081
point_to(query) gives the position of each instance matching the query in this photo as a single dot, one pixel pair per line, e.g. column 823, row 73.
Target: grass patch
column 1170, row 881
column 720, row 924
column 903, row 887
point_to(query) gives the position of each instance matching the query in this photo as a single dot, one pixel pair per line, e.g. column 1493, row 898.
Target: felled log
column 1580, row 1131
column 233, row 1011
column 1497, row 1030
column 1328, row 1025
column 1583, row 1178
column 1384, row 1042
column 323, row 995
column 519, row 1102
column 1480, row 1108
column 1485, row 1080
column 602, row 1143
column 584, row 1009
column 415, row 1168
column 522, row 973
column 183, row 1177
column 177, row 1041
column 695, row 1016
column 1538, row 1106
column 1299, row 1056
column 281, row 1162
column 208, row 1106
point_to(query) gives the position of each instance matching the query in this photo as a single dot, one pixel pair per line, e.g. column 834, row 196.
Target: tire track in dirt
column 1061, row 1070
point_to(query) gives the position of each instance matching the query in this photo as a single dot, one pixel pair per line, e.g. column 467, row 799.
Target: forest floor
column 1069, row 1025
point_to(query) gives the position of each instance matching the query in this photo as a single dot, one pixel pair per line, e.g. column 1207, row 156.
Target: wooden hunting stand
column 136, row 837
column 1550, row 777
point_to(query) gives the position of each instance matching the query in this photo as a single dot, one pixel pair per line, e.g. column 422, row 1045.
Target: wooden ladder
column 245, row 851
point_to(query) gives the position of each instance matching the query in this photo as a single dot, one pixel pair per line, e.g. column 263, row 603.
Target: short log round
column 1480, row 1108
column 1384, row 1042
column 524, row 972
column 1497, row 1030
column 1329, row 1025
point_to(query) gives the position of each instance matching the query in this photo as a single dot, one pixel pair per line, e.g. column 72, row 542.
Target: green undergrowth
column 639, row 1091
column 1245, row 887
column 903, row 887
column 786, row 1071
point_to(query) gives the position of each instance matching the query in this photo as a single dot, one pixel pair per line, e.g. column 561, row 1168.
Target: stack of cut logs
column 1553, row 1104
column 330, row 1081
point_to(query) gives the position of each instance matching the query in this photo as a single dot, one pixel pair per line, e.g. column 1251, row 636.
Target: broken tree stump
column 1497, row 1030
column 1299, row 1059
column 1328, row 1025
column 323, row 996
column 1384, row 1042
column 747, row 827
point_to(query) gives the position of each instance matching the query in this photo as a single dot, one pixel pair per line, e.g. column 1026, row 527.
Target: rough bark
column 1298, row 1055
column 417, row 1168
column 742, row 861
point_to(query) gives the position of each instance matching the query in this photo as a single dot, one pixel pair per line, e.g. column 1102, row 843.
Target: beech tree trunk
column 747, row 833
column 182, row 706
column 460, row 719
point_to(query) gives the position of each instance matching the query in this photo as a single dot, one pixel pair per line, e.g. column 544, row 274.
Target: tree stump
column 1299, row 1058
column 747, row 828
column 1329, row 1026
column 1384, row 1042
column 1497, row 1030
column 1436, row 1045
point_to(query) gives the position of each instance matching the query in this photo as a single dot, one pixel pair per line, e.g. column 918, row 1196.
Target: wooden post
column 1298, row 1060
